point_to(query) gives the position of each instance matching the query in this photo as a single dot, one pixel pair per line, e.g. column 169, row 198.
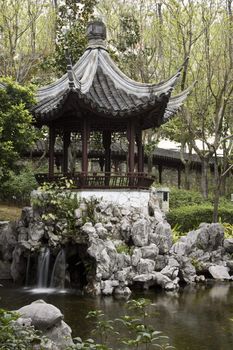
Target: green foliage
column 190, row 217
column 17, row 337
column 123, row 248
column 71, row 24
column 180, row 197
column 228, row 229
column 18, row 187
column 16, row 130
column 176, row 233
column 129, row 331
column 90, row 210
column 57, row 202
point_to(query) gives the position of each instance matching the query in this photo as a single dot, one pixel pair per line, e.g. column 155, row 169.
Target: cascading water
column 28, row 270
column 59, row 271
column 43, row 268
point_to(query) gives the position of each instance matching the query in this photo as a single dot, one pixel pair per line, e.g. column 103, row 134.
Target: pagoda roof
column 96, row 85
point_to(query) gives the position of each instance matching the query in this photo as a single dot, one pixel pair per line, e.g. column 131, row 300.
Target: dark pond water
column 196, row 318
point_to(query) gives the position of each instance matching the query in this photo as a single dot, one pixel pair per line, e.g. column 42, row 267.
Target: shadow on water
column 195, row 318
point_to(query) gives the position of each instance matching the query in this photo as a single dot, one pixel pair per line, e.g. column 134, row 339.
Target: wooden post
column 160, row 173
column 52, row 137
column 66, row 143
column 107, row 148
column 131, row 139
column 85, row 138
column 107, row 155
column 140, row 150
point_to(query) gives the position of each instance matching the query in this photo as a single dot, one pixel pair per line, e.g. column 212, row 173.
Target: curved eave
column 140, row 89
column 176, row 102
column 52, row 108
column 84, row 71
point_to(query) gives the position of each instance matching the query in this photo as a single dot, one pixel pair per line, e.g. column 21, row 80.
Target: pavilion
column 94, row 95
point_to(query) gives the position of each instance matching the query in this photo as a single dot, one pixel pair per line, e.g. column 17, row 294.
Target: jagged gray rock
column 162, row 237
column 219, row 272
column 228, row 245
column 48, row 319
column 140, row 232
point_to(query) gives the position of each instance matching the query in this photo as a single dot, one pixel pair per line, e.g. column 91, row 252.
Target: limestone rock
column 5, row 270
column 48, row 319
column 179, row 248
column 164, row 281
column 125, row 229
column 219, row 272
column 27, row 215
column 43, row 315
column 60, row 334
column 101, row 230
column 136, row 256
column 145, row 266
column 187, row 271
column 170, row 271
column 162, row 237
column 18, row 265
column 8, row 239
column 140, row 232
column 122, row 291
column 210, row 236
column 228, row 245
column 160, row 262
column 108, row 286
column 151, row 251
column 35, row 231
column 88, row 228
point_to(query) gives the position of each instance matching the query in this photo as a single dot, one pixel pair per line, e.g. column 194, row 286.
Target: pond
column 195, row 318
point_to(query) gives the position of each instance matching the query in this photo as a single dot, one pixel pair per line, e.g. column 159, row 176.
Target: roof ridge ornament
column 73, row 81
column 96, row 34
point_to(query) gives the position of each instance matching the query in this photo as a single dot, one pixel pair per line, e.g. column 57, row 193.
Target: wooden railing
column 102, row 180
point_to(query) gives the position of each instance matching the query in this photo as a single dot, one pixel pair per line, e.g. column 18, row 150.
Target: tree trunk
column 187, row 176
column 204, row 177
column 217, row 181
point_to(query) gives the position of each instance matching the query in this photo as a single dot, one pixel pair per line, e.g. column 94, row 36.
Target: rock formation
column 120, row 247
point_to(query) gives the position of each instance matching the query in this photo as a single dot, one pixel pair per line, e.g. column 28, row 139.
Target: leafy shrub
column 180, row 198
column 56, row 202
column 18, row 187
column 17, row 337
column 190, row 217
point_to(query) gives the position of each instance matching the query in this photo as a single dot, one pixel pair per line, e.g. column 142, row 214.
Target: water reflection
column 196, row 318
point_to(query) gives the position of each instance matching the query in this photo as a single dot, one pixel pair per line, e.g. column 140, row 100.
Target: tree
column 71, row 23
column 16, row 130
column 26, row 37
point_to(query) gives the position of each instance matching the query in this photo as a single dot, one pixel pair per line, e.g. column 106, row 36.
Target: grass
column 10, row 213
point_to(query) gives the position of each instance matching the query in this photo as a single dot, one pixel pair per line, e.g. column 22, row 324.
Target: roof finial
column 96, row 33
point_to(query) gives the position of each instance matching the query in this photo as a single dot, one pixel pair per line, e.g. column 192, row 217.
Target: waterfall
column 28, row 270
column 59, row 271
column 43, row 268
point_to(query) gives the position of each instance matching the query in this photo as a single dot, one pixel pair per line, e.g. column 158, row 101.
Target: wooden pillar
column 107, row 148
column 179, row 177
column 85, row 138
column 160, row 173
column 107, row 155
column 52, row 137
column 140, row 151
column 66, row 143
column 131, row 139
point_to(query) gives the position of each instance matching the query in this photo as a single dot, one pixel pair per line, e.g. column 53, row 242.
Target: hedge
column 190, row 217
column 180, row 197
